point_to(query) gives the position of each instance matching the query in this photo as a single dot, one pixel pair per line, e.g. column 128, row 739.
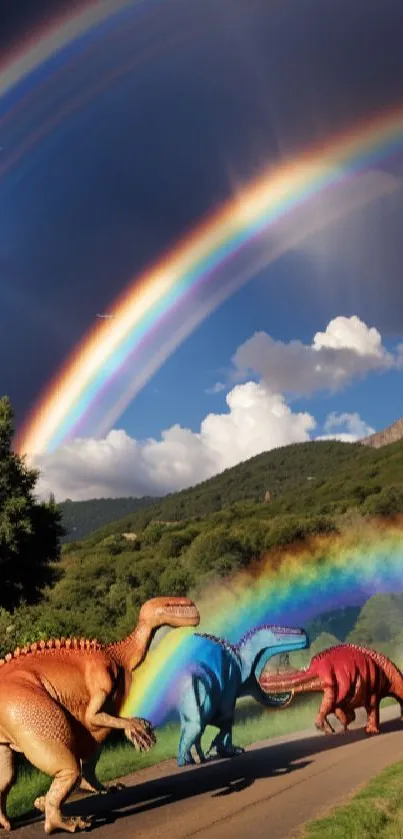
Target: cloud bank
column 347, row 349
column 257, row 419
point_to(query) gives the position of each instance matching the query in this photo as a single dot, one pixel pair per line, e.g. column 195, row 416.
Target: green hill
column 80, row 518
column 316, row 478
column 279, row 471
column 319, row 477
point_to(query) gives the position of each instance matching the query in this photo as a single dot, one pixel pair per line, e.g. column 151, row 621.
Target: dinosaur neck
column 131, row 652
column 258, row 647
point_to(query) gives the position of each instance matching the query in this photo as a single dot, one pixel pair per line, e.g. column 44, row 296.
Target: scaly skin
column 60, row 699
column 217, row 674
column 350, row 677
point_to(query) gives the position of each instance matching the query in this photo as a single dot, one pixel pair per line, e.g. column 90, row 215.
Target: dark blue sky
column 209, row 92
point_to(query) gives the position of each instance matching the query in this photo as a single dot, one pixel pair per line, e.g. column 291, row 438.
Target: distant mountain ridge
column 388, row 435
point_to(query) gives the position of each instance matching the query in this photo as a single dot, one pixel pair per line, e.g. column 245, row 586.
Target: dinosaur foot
column 371, row 731
column 234, row 751
column 113, row 788
column 4, row 822
column 186, row 761
column 325, row 727
column 100, row 789
column 71, row 825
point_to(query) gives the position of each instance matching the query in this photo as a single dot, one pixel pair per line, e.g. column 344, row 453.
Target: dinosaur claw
column 71, row 825
column 4, row 823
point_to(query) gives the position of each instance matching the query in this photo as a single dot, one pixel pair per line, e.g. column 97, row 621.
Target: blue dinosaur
column 218, row 675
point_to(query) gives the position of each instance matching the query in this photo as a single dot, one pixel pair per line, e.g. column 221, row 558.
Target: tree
column 29, row 530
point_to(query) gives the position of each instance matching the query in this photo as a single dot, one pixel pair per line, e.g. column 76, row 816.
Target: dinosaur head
column 169, row 611
column 255, row 650
column 288, row 639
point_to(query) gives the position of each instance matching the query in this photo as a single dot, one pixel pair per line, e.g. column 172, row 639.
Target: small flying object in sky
column 105, row 316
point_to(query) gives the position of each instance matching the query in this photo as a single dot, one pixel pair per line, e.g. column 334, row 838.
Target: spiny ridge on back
column 380, row 658
column 221, row 641
column 53, row 644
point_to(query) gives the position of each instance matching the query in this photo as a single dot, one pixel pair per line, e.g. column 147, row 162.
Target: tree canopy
column 29, row 529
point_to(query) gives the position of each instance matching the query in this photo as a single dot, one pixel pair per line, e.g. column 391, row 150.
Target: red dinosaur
column 59, row 700
column 350, row 677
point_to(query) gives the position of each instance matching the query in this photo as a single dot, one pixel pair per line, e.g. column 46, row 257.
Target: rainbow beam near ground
column 153, row 297
column 287, row 588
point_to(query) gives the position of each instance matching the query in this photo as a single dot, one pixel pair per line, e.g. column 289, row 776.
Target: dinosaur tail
column 299, row 681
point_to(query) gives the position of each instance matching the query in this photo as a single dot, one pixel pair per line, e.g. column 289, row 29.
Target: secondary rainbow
column 327, row 574
column 22, row 65
column 196, row 260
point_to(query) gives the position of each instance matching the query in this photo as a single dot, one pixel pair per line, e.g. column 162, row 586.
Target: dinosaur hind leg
column 56, row 760
column 326, row 707
column 90, row 782
column 223, row 741
column 6, row 781
column 46, row 735
column 195, row 714
column 372, row 709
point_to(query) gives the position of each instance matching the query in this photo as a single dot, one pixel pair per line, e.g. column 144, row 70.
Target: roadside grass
column 119, row 759
column 376, row 812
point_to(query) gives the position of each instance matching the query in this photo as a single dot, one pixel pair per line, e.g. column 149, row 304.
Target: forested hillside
column 80, row 518
column 319, row 476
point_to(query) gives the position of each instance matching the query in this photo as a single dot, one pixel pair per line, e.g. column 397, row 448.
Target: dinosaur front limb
column 190, row 736
column 6, row 780
column 139, row 731
column 326, row 707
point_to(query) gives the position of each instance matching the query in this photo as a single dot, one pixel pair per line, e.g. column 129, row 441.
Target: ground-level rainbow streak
column 198, row 258
column 329, row 573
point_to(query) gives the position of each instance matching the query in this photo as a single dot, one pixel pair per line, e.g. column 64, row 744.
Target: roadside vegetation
column 376, row 812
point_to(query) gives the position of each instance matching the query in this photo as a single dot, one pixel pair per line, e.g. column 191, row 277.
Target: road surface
column 269, row 791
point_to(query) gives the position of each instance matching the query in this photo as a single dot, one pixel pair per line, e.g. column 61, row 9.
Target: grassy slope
column 374, row 813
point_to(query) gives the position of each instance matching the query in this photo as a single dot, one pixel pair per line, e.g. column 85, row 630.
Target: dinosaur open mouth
column 182, row 612
column 279, row 700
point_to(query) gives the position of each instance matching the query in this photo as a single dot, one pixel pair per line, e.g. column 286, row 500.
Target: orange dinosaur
column 60, row 699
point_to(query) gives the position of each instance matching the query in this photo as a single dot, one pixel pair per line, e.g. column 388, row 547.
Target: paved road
column 269, row 791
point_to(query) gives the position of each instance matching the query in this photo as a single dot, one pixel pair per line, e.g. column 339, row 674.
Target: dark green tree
column 29, row 529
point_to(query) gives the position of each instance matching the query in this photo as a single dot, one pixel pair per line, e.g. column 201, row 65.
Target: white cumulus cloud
column 351, row 427
column 257, row 420
column 348, row 348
